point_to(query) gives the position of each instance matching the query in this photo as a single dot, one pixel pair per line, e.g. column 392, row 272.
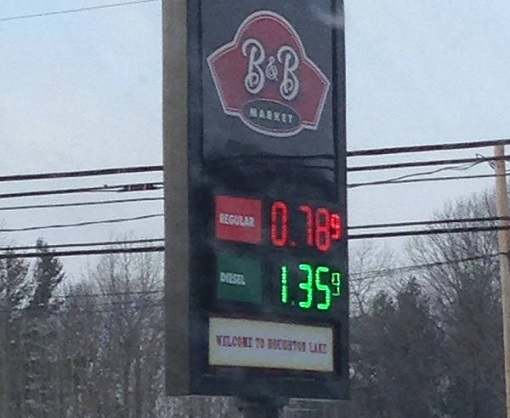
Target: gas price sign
column 257, row 245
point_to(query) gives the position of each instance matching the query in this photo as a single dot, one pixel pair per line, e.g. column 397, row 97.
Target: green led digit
column 324, row 306
column 307, row 286
column 284, row 284
column 336, row 281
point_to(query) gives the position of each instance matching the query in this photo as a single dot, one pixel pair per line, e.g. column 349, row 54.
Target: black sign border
column 240, row 381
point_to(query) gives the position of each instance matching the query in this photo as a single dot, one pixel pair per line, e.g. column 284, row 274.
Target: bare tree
column 467, row 303
column 365, row 278
column 116, row 357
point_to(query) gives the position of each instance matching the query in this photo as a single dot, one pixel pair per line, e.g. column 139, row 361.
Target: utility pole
column 504, row 259
column 4, row 361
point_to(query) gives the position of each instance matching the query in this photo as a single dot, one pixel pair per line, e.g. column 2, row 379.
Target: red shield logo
column 265, row 77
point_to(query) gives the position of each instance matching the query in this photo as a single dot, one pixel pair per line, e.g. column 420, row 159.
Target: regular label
column 238, row 219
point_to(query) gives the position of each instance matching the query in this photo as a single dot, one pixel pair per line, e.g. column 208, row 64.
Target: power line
column 428, row 148
column 366, row 152
column 77, row 204
column 79, row 224
column 142, row 302
column 78, row 10
column 424, row 223
column 413, row 164
column 371, row 273
column 364, row 275
column 354, row 227
column 83, row 308
column 408, row 178
column 110, row 309
column 98, row 189
column 460, row 167
column 115, row 189
column 108, row 294
column 361, row 168
column 83, row 244
column 147, row 306
column 357, row 153
column 71, row 253
column 438, row 231
column 426, row 180
column 161, row 248
column 82, row 173
column 109, row 202
column 158, row 186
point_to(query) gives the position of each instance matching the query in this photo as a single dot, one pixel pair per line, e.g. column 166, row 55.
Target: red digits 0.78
column 322, row 226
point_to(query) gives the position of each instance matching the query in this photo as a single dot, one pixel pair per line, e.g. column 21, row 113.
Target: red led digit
column 322, row 230
column 336, row 226
column 308, row 211
column 279, row 224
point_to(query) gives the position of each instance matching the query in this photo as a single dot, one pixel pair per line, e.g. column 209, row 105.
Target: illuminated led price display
column 307, row 286
column 291, row 242
column 304, row 226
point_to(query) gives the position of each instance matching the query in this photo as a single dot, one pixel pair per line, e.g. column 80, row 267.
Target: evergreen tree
column 41, row 338
column 48, row 273
column 14, row 295
column 395, row 357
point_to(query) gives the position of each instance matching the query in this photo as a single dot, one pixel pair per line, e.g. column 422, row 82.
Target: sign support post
column 175, row 162
column 259, row 408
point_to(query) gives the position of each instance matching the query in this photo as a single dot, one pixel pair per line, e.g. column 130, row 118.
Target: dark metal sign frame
column 218, row 163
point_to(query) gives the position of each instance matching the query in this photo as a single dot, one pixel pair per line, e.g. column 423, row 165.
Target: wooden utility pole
column 504, row 259
column 4, row 361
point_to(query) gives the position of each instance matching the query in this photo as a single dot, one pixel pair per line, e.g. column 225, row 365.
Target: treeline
column 426, row 342
column 90, row 350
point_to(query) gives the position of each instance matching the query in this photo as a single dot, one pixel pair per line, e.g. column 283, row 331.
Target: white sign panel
column 247, row 343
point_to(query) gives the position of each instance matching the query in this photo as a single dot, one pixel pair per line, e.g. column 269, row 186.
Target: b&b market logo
column 264, row 77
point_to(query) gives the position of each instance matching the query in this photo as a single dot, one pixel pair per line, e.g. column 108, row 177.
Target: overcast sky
column 83, row 91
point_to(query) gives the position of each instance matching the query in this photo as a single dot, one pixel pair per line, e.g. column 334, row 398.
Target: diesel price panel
column 288, row 247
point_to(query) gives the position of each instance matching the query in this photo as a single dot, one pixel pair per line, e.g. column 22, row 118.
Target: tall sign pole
column 176, row 166
column 504, row 259
column 256, row 271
